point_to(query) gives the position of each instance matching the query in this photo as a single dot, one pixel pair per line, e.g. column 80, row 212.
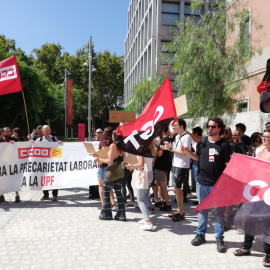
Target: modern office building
column 149, row 29
column 149, row 24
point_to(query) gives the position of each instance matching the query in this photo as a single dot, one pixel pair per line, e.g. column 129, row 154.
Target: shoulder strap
column 202, row 144
column 53, row 138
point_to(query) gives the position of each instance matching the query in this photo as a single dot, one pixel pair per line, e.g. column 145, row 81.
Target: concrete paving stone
column 77, row 238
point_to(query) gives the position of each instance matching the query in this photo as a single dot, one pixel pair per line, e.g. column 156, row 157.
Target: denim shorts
column 101, row 173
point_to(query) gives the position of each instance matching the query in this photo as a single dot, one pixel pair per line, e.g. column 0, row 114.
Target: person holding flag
column 213, row 153
column 247, row 244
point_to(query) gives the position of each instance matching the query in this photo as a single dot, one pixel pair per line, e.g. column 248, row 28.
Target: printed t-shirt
column 213, row 157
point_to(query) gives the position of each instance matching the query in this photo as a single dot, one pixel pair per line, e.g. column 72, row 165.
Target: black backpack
column 53, row 138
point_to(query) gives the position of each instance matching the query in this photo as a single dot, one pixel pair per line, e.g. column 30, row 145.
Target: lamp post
column 65, row 103
column 89, row 88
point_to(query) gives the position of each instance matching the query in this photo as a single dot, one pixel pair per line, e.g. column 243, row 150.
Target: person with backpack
column 180, row 165
column 48, row 138
column 213, row 154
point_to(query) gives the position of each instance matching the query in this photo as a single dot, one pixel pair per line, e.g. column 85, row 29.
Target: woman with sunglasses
column 116, row 156
column 105, row 141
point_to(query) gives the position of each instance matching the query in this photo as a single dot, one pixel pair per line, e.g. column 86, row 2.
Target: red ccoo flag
column 136, row 136
column 245, row 180
column 10, row 81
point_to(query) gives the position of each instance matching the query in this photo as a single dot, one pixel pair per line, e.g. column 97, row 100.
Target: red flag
column 10, row 81
column 69, row 101
column 136, row 136
column 245, row 180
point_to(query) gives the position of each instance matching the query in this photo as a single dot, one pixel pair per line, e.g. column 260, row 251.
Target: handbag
column 114, row 172
column 140, row 176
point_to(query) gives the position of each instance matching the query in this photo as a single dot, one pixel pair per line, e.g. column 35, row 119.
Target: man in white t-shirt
column 46, row 130
column 180, row 165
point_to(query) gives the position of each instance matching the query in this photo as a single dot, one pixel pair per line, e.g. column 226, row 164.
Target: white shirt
column 149, row 163
column 178, row 160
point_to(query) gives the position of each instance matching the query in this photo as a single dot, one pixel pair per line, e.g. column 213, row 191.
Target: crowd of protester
column 177, row 156
column 42, row 133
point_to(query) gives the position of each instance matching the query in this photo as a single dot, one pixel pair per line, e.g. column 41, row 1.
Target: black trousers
column 54, row 192
column 106, row 208
column 127, row 182
column 248, row 244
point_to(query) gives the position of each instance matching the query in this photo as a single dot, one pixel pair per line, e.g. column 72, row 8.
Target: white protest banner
column 46, row 165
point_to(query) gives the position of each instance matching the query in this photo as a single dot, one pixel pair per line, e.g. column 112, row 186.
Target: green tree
column 143, row 91
column 107, row 84
column 48, row 59
column 37, row 88
column 206, row 62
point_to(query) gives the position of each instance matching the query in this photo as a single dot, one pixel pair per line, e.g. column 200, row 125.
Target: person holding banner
column 94, row 190
column 1, row 135
column 248, row 240
column 12, row 139
column 106, row 140
column 17, row 135
column 46, row 130
column 116, row 156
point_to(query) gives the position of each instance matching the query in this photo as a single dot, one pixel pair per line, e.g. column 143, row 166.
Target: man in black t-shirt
column 241, row 128
column 213, row 153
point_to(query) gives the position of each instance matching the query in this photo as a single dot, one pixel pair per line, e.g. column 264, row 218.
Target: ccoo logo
column 40, row 152
column 8, row 73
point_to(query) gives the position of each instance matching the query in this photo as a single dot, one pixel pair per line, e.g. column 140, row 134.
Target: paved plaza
column 67, row 234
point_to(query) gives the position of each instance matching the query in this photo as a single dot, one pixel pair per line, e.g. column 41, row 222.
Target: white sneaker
column 147, row 227
column 114, row 207
column 142, row 221
column 189, row 195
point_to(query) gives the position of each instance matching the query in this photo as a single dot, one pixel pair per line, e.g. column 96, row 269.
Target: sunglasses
column 99, row 132
column 211, row 127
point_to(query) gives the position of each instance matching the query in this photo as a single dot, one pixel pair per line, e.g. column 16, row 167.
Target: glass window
column 170, row 8
column 242, row 106
column 170, row 14
column 169, row 19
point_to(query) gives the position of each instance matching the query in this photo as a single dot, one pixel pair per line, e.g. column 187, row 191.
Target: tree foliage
column 143, row 91
column 107, row 84
column 43, row 74
column 207, row 62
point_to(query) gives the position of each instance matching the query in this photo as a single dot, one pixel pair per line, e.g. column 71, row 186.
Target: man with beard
column 237, row 140
column 213, row 153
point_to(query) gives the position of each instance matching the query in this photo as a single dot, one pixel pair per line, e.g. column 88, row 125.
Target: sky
column 32, row 23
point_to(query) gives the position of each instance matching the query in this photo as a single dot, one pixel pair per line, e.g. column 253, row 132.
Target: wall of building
column 254, row 121
column 259, row 38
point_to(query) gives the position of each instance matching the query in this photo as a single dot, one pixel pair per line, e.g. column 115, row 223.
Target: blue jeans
column 195, row 172
column 202, row 193
column 144, row 202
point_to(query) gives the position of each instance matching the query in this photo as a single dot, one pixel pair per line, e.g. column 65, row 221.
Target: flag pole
column 26, row 113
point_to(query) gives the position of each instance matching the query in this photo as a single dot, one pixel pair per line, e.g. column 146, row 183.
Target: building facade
column 248, row 110
column 149, row 29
